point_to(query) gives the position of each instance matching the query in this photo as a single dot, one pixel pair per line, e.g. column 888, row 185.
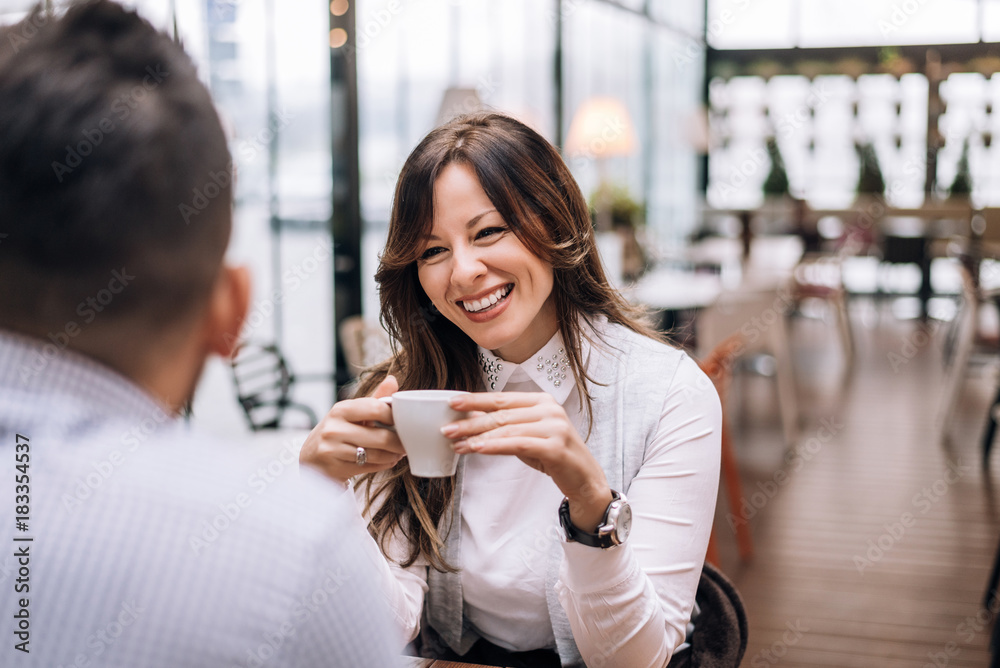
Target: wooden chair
column 718, row 366
column 820, row 276
column 965, row 341
column 759, row 312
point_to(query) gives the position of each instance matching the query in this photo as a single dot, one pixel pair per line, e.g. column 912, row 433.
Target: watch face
column 624, row 524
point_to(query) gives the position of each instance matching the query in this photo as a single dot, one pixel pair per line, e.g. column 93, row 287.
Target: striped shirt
column 137, row 543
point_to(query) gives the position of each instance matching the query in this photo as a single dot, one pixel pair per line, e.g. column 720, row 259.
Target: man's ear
column 227, row 309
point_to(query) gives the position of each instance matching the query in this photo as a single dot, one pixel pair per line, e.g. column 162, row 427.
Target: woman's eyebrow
column 469, row 225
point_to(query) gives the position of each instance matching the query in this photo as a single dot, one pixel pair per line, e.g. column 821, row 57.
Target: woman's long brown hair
column 531, row 187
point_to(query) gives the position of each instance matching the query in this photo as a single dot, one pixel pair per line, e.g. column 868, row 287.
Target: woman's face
column 480, row 276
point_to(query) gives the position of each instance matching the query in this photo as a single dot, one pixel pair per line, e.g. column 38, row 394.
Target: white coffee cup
column 419, row 416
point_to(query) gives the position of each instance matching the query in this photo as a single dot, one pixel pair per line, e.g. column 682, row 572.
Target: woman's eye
column 431, row 252
column 490, row 232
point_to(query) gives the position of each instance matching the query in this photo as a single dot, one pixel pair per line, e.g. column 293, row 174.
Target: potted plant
column 961, row 187
column 628, row 220
column 776, row 211
column 776, row 183
column 870, row 197
column 870, row 180
column 627, row 217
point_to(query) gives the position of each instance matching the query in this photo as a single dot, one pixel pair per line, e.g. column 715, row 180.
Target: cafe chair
column 760, row 314
column 719, row 638
column 820, row 276
column 264, row 385
column 964, row 340
column 718, row 366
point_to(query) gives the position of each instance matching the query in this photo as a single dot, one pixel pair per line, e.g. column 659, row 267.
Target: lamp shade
column 456, row 102
column 601, row 128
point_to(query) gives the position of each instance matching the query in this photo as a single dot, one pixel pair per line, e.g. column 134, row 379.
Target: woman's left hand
column 535, row 428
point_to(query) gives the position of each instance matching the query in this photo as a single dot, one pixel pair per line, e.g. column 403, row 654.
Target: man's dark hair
column 114, row 170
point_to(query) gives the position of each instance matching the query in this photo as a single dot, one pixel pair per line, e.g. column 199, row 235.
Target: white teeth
column 474, row 305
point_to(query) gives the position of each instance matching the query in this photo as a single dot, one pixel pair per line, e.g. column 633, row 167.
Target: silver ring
column 361, row 458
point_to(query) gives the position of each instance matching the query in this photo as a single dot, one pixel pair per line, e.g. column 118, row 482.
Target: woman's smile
column 487, row 307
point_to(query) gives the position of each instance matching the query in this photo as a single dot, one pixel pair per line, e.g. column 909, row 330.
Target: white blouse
column 628, row 605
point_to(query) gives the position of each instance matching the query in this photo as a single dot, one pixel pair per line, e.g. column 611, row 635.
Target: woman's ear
column 227, row 310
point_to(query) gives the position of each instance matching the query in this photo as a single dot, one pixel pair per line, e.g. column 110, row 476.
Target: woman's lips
column 490, row 312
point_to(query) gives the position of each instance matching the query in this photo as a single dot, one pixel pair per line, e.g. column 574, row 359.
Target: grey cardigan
column 632, row 375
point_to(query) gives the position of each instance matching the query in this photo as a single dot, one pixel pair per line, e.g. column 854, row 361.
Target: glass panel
column 738, row 24
column 686, row 17
column 877, row 22
column 991, row 20
column 747, row 24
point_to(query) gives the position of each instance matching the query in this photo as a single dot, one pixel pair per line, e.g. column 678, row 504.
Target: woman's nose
column 467, row 267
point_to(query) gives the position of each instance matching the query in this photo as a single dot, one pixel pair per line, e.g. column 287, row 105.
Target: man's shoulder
column 208, row 485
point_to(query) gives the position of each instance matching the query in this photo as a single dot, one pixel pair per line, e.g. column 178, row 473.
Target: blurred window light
column 339, row 7
column 338, row 38
column 750, row 24
column 747, row 24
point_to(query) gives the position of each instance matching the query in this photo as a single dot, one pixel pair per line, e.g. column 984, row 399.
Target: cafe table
column 677, row 295
column 413, row 662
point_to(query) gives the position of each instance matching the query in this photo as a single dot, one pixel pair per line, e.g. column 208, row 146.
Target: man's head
column 115, row 190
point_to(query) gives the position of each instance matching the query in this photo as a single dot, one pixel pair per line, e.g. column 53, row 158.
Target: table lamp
column 601, row 128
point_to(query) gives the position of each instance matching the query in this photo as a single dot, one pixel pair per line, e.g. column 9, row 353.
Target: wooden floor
column 873, row 541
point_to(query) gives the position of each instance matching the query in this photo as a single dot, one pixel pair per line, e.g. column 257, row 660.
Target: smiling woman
column 529, row 555
column 474, row 268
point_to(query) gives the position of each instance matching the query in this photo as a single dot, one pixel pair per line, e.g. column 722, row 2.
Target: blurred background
column 805, row 194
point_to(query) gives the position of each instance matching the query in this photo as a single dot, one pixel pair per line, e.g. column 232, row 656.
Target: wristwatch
column 613, row 529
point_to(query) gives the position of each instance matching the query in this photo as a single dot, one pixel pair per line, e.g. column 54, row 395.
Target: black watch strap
column 600, row 539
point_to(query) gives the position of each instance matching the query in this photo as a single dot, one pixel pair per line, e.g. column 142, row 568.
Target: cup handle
column 382, row 425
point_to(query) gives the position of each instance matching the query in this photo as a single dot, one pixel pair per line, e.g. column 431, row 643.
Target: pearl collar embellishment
column 554, row 367
column 491, row 368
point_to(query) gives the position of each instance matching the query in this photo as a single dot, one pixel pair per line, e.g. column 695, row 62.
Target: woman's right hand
column 332, row 446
